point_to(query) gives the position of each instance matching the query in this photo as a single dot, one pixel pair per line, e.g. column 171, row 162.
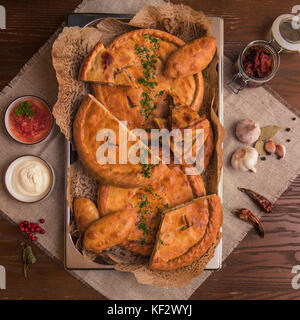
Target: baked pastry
column 85, row 213
column 148, row 78
column 186, row 150
column 124, row 103
column 186, row 233
column 108, row 231
column 183, row 117
column 197, row 185
column 90, row 118
column 137, row 59
column 100, row 66
column 149, row 202
column 191, row 58
column 208, row 147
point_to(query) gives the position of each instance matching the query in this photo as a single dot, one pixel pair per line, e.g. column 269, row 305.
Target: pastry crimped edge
column 85, row 66
column 196, row 251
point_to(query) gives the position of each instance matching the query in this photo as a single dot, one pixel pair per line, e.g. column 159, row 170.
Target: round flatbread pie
column 91, row 118
column 137, row 59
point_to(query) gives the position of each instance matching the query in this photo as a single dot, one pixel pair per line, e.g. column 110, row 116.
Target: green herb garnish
column 28, row 257
column 146, row 170
column 148, row 61
column 161, row 242
column 144, row 209
column 24, row 109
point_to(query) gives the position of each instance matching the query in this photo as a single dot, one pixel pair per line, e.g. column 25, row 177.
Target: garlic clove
column 280, row 150
column 270, row 146
column 244, row 159
column 247, row 131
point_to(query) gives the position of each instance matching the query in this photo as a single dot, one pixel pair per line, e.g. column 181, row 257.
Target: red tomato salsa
column 33, row 127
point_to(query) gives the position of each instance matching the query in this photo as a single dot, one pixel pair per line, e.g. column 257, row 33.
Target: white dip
column 31, row 178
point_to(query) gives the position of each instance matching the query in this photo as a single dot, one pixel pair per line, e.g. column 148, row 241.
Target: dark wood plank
column 47, row 279
column 257, row 269
column 261, row 268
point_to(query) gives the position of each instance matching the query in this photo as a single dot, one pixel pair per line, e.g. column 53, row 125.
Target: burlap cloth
column 273, row 176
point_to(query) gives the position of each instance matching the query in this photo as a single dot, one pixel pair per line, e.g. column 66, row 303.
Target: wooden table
column 257, row 269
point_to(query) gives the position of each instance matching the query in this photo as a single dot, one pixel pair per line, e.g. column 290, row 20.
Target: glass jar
column 284, row 36
column 285, row 33
column 242, row 79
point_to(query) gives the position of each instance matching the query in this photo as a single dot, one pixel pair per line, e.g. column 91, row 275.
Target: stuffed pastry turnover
column 186, row 233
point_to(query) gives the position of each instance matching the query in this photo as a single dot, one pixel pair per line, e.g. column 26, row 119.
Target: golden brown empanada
column 85, row 213
column 108, row 231
column 191, row 58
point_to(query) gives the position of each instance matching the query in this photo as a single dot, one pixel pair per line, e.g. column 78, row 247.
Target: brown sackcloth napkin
column 272, row 177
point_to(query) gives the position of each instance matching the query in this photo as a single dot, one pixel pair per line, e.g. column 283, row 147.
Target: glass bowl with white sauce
column 29, row 179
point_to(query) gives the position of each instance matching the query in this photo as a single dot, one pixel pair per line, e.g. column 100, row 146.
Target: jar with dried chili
column 257, row 63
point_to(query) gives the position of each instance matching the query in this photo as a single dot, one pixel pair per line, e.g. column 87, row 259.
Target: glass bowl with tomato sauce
column 28, row 120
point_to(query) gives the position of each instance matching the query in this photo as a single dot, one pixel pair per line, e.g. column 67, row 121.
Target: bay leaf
column 259, row 146
column 268, row 132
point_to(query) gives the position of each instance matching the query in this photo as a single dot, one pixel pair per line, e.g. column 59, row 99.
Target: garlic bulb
column 245, row 159
column 247, row 131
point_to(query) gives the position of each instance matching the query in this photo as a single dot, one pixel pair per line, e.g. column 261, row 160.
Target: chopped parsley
column 144, row 209
column 155, row 195
column 148, row 61
column 161, row 242
column 146, row 170
column 24, row 109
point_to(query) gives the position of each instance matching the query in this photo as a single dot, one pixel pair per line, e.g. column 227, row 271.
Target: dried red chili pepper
column 247, row 215
column 266, row 204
